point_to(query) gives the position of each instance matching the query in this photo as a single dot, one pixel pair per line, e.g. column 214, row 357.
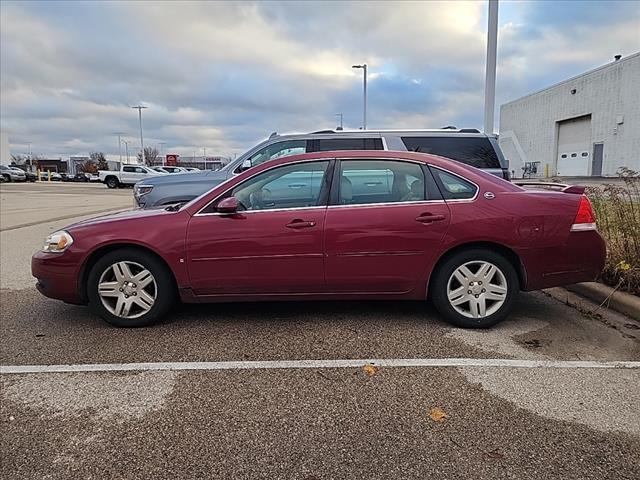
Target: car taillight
column 585, row 218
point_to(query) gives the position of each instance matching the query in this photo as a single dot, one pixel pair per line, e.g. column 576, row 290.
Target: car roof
column 375, row 133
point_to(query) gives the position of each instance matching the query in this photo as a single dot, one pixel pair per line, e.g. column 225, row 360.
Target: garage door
column 574, row 140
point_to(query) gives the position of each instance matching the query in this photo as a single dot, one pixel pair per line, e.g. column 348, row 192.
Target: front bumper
column 56, row 277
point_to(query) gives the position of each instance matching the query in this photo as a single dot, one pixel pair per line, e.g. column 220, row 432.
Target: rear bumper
column 581, row 259
column 56, row 277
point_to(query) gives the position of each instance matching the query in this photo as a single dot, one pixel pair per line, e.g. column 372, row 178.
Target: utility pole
column 364, row 110
column 126, row 149
column 340, row 115
column 119, row 143
column 139, row 108
column 30, row 159
column 490, row 79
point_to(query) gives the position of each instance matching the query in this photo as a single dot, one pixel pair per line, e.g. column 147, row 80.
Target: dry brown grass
column 618, row 215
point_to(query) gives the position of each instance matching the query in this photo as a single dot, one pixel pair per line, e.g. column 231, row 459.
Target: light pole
column 30, row 159
column 119, row 143
column 339, row 115
column 364, row 113
column 140, row 107
column 490, row 79
column 126, row 149
column 204, row 156
column 162, row 144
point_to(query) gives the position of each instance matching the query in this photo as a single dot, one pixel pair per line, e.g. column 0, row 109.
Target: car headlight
column 141, row 190
column 57, row 242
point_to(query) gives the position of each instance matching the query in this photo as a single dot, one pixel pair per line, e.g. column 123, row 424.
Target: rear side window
column 328, row 144
column 452, row 186
column 380, row 181
column 129, row 169
column 474, row 151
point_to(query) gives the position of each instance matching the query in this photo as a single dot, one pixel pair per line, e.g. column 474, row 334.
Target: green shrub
column 617, row 209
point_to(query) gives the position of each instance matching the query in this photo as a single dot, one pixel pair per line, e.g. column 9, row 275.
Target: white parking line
column 296, row 364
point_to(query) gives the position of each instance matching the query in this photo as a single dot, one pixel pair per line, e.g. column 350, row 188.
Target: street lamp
column 204, row 156
column 339, row 115
column 126, row 149
column 139, row 108
column 364, row 114
column 119, row 143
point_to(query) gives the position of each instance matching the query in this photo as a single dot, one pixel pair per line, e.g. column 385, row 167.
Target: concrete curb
column 619, row 301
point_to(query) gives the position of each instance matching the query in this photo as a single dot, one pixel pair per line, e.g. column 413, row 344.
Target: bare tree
column 99, row 159
column 89, row 167
column 19, row 159
column 150, row 156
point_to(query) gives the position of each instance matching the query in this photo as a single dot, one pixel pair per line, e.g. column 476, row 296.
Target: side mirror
column 246, row 165
column 228, row 205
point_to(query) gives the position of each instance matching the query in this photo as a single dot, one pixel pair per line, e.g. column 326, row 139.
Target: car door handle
column 299, row 223
column 297, row 185
column 429, row 218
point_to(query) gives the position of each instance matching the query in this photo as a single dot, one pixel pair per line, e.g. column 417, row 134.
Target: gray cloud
column 224, row 75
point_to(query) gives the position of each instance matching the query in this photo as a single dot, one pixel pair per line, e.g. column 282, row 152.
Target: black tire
column 7, row 178
column 439, row 287
column 164, row 284
column 112, row 182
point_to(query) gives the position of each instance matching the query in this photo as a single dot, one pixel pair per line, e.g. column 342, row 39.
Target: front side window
column 290, row 186
column 452, row 186
column 475, row 151
column 141, row 170
column 380, row 181
column 276, row 150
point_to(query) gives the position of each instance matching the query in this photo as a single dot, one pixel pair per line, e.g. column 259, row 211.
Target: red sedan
column 332, row 225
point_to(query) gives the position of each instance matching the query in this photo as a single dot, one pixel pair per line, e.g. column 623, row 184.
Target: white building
column 588, row 125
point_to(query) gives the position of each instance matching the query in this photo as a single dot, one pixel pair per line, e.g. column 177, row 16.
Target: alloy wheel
column 477, row 289
column 127, row 289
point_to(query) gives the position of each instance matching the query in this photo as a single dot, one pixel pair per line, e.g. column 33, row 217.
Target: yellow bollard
column 546, row 170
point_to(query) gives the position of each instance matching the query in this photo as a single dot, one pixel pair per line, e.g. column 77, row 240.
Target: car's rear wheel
column 475, row 288
column 112, row 182
column 7, row 178
column 130, row 288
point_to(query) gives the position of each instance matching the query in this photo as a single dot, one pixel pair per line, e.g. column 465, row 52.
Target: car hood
column 175, row 178
column 133, row 215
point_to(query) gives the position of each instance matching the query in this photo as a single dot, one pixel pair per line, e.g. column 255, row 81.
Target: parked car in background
column 192, row 169
column 80, row 177
column 53, row 176
column 174, row 169
column 332, row 225
column 127, row 175
column 468, row 146
column 94, row 177
column 12, row 175
column 30, row 177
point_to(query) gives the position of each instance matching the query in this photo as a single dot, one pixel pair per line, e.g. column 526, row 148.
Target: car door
column 273, row 244
column 384, row 226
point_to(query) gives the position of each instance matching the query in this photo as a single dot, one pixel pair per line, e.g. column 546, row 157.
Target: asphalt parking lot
column 300, row 399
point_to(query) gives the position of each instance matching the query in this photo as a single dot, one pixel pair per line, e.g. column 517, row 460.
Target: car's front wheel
column 130, row 288
column 475, row 288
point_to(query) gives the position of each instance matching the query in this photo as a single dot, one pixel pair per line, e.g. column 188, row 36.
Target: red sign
column 171, row 159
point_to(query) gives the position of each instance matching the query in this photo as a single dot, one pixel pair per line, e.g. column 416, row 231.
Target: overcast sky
column 225, row 75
